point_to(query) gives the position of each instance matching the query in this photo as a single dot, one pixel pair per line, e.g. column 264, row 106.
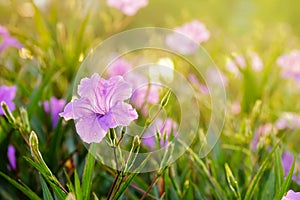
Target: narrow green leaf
column 286, row 182
column 78, row 191
column 88, row 173
column 254, row 183
column 46, row 192
column 24, row 189
column 278, row 171
column 233, row 184
column 58, row 191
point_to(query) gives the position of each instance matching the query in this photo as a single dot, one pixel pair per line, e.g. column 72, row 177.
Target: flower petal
column 77, row 109
column 120, row 115
column 89, row 130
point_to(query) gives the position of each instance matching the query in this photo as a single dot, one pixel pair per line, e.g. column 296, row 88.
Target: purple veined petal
column 115, row 90
column 77, row 109
column 291, row 195
column 11, row 155
column 89, row 129
column 100, row 107
column 7, row 94
column 120, row 115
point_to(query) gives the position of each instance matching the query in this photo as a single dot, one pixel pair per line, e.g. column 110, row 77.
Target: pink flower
column 7, row 94
column 164, row 129
column 128, row 7
column 143, row 93
column 261, row 133
column 54, row 107
column 236, row 107
column 194, row 33
column 119, row 67
column 239, row 61
column 101, row 106
column 7, row 40
column 199, row 86
column 288, row 120
column 290, row 65
column 291, row 195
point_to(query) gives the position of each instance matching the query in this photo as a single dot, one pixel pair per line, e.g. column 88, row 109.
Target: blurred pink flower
column 288, row 120
column 236, row 107
column 54, row 107
column 7, row 40
column 164, row 129
column 7, row 94
column 101, row 106
column 143, row 93
column 287, row 161
column 128, row 7
column 11, row 155
column 196, row 83
column 215, row 76
column 261, row 132
column 195, row 33
column 290, row 65
column 239, row 61
column 119, row 67
column 291, row 195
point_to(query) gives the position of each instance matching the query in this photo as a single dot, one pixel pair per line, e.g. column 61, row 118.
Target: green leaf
column 286, row 182
column 88, row 173
column 78, row 191
column 46, row 192
column 233, row 184
column 23, row 188
column 58, row 191
column 278, row 171
column 254, row 183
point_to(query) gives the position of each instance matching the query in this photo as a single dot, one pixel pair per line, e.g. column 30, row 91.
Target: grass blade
column 46, row 192
column 286, row 182
column 24, row 189
column 88, row 173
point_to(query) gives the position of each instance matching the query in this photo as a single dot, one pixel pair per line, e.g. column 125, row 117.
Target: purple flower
column 54, row 107
column 143, row 92
column 291, row 195
column 7, row 94
column 11, row 155
column 119, row 67
column 164, row 128
column 290, row 65
column 101, row 106
column 288, row 121
column 7, row 40
column 195, row 33
column 128, row 7
column 287, row 160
